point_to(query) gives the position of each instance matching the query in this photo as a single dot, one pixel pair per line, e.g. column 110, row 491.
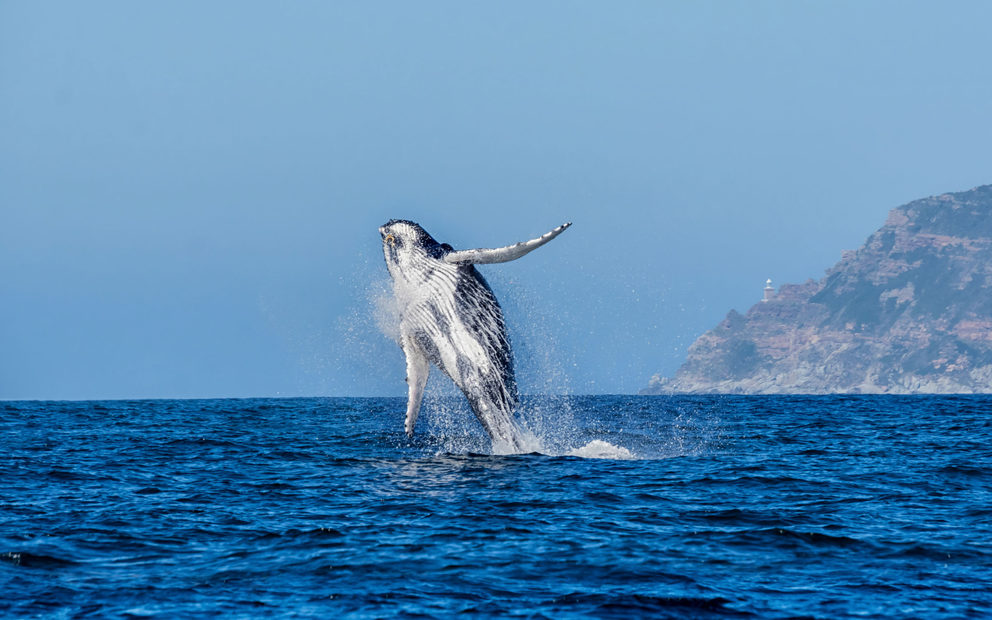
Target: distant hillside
column 908, row 312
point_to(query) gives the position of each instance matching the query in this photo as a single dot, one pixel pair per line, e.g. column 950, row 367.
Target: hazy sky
column 190, row 191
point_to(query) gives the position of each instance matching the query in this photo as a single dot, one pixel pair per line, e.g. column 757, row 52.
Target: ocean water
column 704, row 507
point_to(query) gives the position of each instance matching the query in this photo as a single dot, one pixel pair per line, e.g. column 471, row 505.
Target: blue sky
column 190, row 192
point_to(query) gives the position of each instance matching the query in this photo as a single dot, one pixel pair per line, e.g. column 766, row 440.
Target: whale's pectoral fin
column 417, row 370
column 501, row 255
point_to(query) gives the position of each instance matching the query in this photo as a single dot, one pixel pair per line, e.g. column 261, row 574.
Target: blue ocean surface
column 703, row 507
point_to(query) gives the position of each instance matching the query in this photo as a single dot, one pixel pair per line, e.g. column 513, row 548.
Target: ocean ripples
column 703, row 507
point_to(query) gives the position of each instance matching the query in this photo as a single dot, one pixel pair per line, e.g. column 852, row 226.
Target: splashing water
column 385, row 309
column 547, row 421
column 623, row 431
column 599, row 449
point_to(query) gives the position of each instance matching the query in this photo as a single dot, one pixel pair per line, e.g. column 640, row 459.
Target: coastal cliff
column 908, row 312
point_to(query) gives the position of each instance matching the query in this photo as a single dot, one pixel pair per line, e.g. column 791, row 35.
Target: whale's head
column 408, row 248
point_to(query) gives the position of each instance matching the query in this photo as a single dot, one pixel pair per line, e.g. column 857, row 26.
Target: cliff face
column 908, row 312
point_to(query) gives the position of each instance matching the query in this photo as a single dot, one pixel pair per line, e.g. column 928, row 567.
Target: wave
column 35, row 560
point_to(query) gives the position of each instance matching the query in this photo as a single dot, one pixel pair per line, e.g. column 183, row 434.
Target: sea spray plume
column 449, row 317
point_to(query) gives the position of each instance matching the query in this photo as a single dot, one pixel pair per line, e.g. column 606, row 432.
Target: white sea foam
column 529, row 444
column 599, row 449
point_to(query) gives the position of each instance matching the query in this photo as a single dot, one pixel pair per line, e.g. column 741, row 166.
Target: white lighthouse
column 769, row 290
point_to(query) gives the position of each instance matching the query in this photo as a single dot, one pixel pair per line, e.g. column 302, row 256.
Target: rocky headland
column 909, row 312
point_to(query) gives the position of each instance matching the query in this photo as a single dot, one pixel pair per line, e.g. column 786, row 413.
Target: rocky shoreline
column 909, row 312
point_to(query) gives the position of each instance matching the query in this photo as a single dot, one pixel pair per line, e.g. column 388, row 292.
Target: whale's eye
column 390, row 239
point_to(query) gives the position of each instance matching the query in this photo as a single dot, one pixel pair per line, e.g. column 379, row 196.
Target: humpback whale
column 449, row 317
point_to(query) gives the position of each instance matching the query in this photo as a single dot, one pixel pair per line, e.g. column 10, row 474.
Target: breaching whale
column 449, row 317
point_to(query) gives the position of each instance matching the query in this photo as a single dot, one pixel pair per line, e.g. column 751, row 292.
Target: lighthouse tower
column 769, row 290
